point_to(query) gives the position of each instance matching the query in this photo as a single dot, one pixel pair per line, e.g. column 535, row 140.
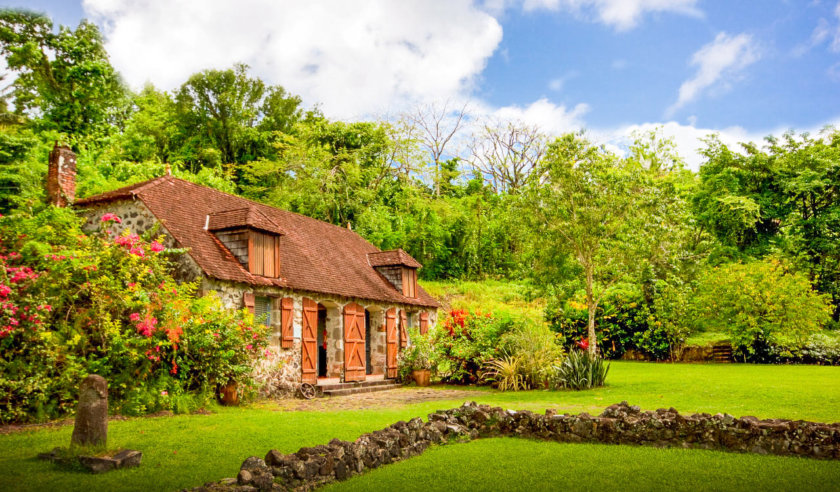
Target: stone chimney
column 61, row 176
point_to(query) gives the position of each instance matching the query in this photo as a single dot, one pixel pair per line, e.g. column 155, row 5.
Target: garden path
column 380, row 399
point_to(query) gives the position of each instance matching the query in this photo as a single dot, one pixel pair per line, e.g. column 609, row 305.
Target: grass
column 520, row 464
column 186, row 451
column 705, row 338
column 493, row 296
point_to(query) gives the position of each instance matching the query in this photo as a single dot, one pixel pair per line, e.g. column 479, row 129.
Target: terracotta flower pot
column 229, row 394
column 422, row 377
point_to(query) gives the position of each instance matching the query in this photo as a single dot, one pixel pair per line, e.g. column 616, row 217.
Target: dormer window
column 251, row 237
column 399, row 268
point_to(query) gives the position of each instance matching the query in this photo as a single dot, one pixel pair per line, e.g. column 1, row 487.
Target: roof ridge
column 254, row 202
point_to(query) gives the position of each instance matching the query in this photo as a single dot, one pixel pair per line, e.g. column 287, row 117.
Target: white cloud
column 549, row 117
column 719, row 61
column 355, row 58
column 620, row 14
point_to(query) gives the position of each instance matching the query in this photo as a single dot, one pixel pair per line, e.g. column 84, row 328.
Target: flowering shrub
column 467, row 342
column 75, row 303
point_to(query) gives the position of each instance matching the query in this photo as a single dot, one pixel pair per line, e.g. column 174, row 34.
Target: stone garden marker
column 91, row 427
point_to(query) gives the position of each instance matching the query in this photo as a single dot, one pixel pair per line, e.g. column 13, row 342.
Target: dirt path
column 390, row 398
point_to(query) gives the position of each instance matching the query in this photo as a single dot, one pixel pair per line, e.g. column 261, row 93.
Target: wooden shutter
column 248, row 299
column 391, row 347
column 403, row 329
column 263, row 254
column 354, row 342
column 424, row 323
column 287, row 318
column 309, row 342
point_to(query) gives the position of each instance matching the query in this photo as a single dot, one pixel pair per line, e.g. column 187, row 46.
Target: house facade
column 338, row 308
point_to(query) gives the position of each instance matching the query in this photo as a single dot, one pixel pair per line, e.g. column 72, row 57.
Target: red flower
column 110, row 217
column 156, row 247
column 583, row 344
column 134, row 316
column 5, row 290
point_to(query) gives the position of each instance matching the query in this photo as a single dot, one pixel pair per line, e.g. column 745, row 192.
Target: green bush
column 579, row 371
column 768, row 310
column 536, row 349
column 465, row 342
column 75, row 304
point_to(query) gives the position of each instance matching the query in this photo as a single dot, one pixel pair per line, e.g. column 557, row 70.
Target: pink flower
column 164, row 393
column 147, row 326
column 249, row 346
column 156, row 247
column 134, row 316
column 5, row 290
column 131, row 285
column 45, row 307
column 110, row 217
column 138, row 252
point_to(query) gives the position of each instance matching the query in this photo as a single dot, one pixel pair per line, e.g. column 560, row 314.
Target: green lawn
column 520, row 464
column 185, row 451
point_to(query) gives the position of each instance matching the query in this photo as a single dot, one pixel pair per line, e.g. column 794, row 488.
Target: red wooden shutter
column 309, row 342
column 287, row 318
column 403, row 329
column 424, row 323
column 248, row 299
column 276, row 256
column 354, row 342
column 391, row 343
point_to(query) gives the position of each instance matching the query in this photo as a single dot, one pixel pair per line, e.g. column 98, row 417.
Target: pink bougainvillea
column 111, row 217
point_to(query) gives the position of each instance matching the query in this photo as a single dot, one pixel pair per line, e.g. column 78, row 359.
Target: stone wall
column 618, row 424
column 231, row 295
column 138, row 219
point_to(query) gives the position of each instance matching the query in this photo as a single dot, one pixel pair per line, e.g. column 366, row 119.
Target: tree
column 507, row 153
column 64, row 78
column 762, row 305
column 583, row 204
column 437, row 126
column 225, row 116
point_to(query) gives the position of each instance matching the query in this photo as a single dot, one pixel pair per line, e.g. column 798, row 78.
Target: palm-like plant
column 580, row 370
column 507, row 373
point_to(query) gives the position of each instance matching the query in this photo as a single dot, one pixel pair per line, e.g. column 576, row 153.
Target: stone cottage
column 339, row 308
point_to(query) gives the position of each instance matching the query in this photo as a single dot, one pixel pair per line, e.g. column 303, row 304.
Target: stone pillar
column 377, row 341
column 61, row 176
column 335, row 341
column 91, row 428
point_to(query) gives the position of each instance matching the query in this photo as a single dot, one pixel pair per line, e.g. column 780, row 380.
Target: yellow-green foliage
column 494, row 296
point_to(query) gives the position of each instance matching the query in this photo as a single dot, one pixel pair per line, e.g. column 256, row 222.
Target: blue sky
column 740, row 68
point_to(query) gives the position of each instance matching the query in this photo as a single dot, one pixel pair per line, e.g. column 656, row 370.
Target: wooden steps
column 343, row 389
column 722, row 352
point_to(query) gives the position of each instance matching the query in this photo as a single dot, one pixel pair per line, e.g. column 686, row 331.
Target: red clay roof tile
column 314, row 256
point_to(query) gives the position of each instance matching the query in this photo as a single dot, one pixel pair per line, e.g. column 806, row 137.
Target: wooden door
column 391, row 339
column 354, row 342
column 403, row 329
column 309, row 342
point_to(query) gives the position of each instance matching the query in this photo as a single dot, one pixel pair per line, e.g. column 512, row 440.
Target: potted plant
column 417, row 360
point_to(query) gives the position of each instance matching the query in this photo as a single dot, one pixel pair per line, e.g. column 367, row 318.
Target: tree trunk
column 591, row 306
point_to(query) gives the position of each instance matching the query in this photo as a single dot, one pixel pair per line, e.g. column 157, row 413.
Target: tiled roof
column 314, row 256
column 248, row 216
column 392, row 257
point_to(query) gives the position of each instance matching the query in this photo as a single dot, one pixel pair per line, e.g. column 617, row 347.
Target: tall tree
column 64, row 78
column 507, row 153
column 583, row 204
column 437, row 125
column 228, row 117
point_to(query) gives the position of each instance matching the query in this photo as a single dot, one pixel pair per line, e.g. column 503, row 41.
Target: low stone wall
column 618, row 424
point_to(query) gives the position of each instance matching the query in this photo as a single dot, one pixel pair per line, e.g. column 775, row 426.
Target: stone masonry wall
column 138, row 219
column 618, row 424
column 231, row 295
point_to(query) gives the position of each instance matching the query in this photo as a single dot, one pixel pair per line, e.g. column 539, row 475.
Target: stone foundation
column 618, row 424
